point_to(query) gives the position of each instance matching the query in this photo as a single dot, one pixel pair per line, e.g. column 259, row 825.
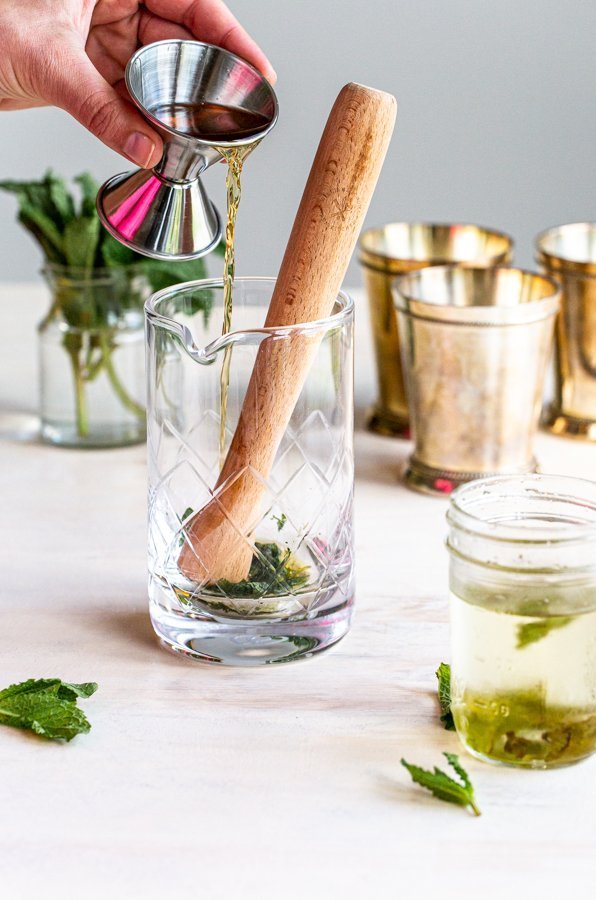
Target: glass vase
column 92, row 365
column 295, row 597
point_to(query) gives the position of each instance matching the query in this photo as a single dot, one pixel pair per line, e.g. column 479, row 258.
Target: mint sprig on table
column 443, row 786
column 46, row 706
column 438, row 782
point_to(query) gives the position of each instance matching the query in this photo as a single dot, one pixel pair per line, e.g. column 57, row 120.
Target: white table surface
column 215, row 782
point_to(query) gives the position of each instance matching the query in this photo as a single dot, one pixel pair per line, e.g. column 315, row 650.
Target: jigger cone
column 165, row 212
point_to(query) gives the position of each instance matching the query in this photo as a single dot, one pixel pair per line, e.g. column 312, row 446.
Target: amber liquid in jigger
column 211, row 121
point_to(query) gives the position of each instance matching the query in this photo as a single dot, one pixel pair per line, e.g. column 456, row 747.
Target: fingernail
column 139, row 148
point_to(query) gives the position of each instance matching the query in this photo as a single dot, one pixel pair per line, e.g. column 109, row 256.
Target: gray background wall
column 496, row 121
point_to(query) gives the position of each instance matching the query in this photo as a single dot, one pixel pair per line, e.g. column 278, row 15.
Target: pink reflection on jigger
column 132, row 212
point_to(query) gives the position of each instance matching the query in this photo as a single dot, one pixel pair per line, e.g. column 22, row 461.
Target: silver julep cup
column 475, row 344
column 568, row 253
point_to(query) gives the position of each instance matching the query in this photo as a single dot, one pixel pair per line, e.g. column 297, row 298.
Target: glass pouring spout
column 203, row 355
column 202, row 101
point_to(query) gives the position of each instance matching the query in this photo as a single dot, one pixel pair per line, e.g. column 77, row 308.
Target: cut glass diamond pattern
column 310, row 485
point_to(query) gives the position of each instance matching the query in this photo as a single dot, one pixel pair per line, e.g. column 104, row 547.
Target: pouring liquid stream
column 215, row 122
column 234, row 157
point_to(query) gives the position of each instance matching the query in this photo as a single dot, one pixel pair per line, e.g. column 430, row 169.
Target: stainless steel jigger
column 164, row 212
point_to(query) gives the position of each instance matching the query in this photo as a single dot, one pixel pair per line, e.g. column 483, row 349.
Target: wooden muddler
column 329, row 219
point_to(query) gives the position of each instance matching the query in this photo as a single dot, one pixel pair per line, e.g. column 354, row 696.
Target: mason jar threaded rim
column 530, row 523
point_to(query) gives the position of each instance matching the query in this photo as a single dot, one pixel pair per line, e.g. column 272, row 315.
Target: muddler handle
column 329, row 219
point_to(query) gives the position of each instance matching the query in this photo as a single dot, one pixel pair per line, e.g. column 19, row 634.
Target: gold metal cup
column 475, row 345
column 568, row 253
column 397, row 249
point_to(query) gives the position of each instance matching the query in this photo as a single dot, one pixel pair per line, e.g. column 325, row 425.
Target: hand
column 73, row 53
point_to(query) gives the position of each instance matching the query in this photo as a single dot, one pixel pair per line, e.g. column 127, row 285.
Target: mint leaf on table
column 443, row 674
column 72, row 691
column 46, row 706
column 443, row 786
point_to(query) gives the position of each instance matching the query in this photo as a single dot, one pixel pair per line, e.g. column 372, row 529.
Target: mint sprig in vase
column 91, row 340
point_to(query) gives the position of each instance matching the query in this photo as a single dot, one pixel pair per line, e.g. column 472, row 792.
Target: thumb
column 82, row 92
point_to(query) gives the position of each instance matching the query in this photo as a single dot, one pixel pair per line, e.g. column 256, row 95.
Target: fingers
column 11, row 105
column 81, row 91
column 153, row 28
column 212, row 21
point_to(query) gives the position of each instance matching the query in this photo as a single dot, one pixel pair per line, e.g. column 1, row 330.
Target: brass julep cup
column 475, row 345
column 396, row 249
column 568, row 253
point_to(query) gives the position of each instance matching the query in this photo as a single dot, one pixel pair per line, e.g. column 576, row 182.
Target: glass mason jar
column 268, row 579
column 523, row 618
column 92, row 361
